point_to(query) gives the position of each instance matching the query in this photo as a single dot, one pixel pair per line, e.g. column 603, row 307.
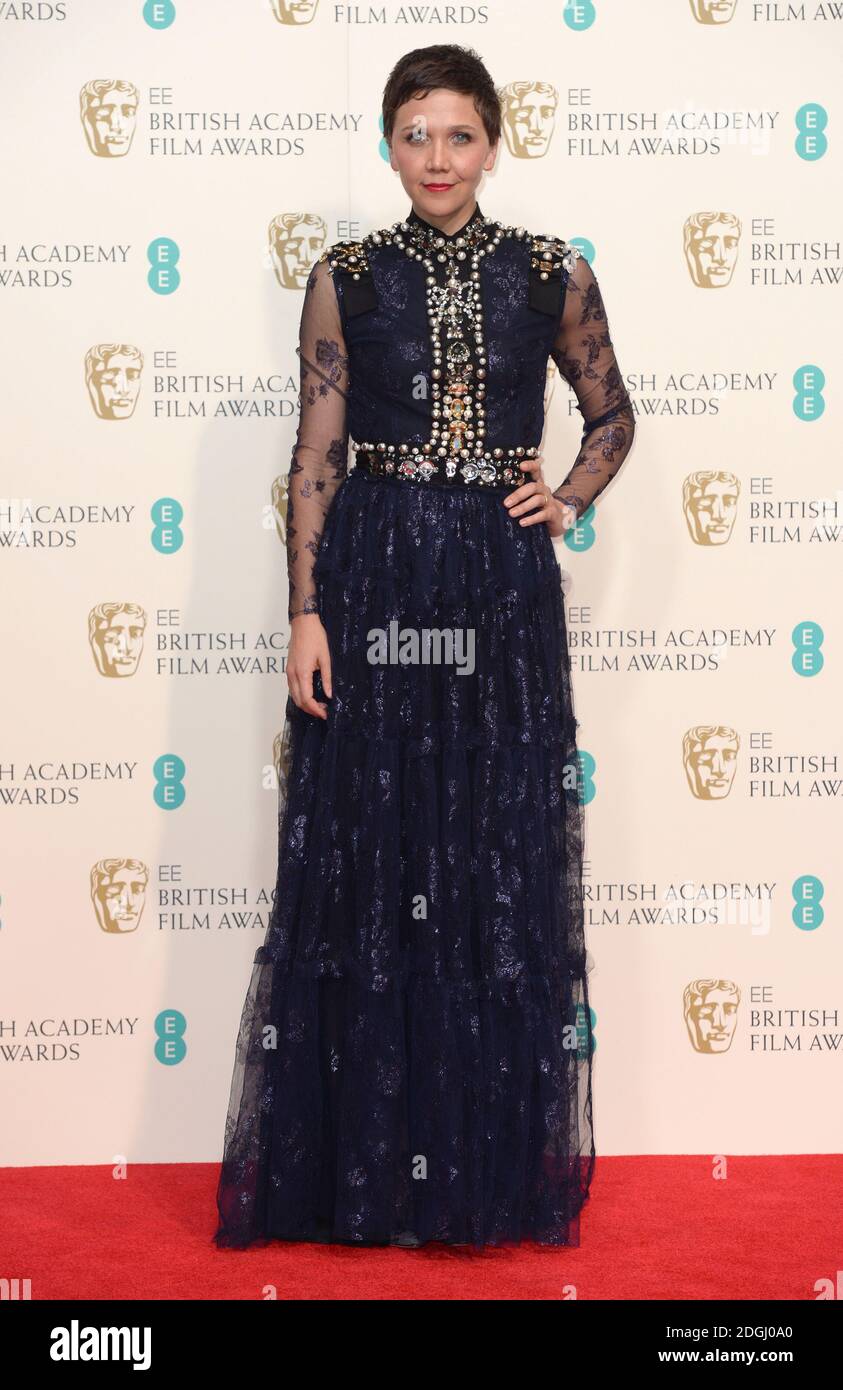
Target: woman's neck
column 449, row 226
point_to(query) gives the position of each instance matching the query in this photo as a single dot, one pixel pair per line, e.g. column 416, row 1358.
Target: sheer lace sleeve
column 320, row 453
column 584, row 354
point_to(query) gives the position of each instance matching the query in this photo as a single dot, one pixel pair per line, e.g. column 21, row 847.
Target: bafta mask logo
column 295, row 241
column 294, row 11
column 713, row 11
column 112, row 376
column 711, row 1014
column 710, row 242
column 709, row 753
column 529, row 112
column 280, row 500
column 115, row 632
column 109, row 108
column 710, row 503
column 118, row 892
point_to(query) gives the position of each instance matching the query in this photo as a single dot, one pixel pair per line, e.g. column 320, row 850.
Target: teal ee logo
column 170, row 1028
column 159, row 14
column 585, row 248
column 807, row 659
column 169, row 771
column 166, row 535
column 808, row 383
column 581, row 536
column 808, row 893
column 579, row 14
column 580, row 787
column 163, row 254
column 586, row 1036
column 811, row 121
column 383, row 147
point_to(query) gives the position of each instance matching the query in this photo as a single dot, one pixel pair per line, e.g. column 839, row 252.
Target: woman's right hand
column 308, row 652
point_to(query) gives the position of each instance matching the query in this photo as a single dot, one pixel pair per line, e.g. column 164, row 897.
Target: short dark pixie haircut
column 442, row 65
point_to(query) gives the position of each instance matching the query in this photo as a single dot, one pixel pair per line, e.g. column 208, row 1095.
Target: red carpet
column 655, row 1227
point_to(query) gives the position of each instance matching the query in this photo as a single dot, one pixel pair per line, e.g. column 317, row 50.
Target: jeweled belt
column 418, row 463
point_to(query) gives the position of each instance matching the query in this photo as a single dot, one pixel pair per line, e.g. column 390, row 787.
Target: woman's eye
column 412, row 139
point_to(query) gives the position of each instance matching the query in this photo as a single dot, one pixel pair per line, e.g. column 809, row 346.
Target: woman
column 414, row 1058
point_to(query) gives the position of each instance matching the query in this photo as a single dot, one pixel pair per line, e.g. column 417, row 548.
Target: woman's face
column 440, row 150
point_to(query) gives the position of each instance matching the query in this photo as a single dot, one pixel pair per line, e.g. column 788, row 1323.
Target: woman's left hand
column 534, row 501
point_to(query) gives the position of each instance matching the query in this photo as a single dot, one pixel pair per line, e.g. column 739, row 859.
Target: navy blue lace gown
column 414, row 1060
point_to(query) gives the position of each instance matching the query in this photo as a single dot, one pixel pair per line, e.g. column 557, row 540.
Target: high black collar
column 421, row 223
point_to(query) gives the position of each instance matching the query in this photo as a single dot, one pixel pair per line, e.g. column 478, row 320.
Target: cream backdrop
column 685, row 147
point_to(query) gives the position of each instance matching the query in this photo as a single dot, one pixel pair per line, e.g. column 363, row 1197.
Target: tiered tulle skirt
column 414, row 1060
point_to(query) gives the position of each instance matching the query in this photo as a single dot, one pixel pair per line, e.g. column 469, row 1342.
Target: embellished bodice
column 429, row 350
column 448, row 339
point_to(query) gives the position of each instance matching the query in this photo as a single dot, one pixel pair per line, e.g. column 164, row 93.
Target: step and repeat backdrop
column 171, row 172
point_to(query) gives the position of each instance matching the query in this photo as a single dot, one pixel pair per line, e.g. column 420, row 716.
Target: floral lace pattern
column 584, row 353
column 320, row 454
